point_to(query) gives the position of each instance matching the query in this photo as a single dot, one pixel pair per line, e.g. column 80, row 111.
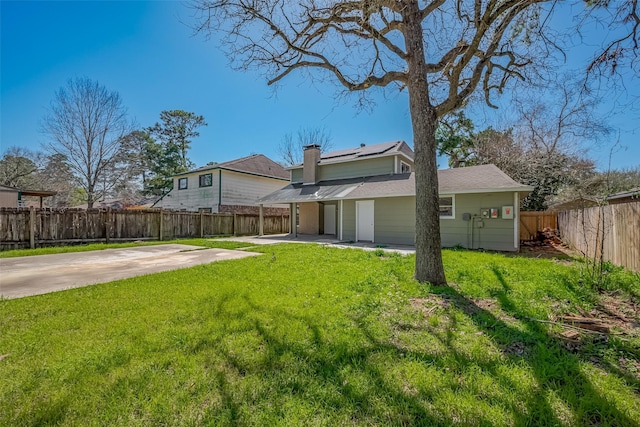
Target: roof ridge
column 240, row 159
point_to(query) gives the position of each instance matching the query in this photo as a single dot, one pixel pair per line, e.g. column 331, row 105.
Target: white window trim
column 453, row 205
column 186, row 185
column 405, row 164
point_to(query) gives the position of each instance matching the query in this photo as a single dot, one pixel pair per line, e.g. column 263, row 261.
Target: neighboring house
column 368, row 194
column 230, row 187
column 11, row 197
column 628, row 196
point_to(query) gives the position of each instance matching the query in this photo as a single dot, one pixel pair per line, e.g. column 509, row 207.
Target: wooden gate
column 532, row 224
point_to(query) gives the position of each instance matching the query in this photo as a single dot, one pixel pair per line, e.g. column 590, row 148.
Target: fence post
column 106, row 224
column 201, row 224
column 32, row 227
column 235, row 219
column 161, row 226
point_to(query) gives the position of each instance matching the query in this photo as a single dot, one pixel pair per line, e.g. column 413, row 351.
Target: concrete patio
column 321, row 240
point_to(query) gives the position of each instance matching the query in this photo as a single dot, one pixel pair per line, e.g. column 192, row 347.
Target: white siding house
column 230, row 187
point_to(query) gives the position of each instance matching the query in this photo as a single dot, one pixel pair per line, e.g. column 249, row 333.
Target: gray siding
column 349, row 220
column 296, row 175
column 395, row 220
column 357, row 169
column 496, row 234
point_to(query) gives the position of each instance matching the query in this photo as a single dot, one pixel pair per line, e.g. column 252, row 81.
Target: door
column 329, row 219
column 364, row 220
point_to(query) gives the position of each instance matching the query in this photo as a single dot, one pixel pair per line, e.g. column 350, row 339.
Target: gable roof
column 363, row 152
column 255, row 164
column 472, row 179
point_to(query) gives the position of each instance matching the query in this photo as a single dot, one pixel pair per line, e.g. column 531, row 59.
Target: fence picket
column 47, row 227
column 613, row 230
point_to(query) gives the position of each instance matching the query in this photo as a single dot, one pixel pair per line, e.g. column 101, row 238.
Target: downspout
column 516, row 221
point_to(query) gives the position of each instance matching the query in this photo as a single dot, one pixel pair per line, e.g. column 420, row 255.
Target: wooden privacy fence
column 611, row 231
column 532, row 224
column 31, row 227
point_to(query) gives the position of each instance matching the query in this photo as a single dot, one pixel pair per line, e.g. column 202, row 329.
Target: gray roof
column 362, row 152
column 633, row 193
column 255, row 164
column 473, row 179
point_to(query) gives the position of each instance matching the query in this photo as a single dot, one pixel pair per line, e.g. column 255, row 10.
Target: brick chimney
column 310, row 165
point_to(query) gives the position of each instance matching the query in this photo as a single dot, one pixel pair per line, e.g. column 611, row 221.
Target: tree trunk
column 429, row 266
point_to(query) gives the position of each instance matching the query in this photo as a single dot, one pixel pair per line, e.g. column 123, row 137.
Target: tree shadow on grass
column 320, row 372
column 556, row 369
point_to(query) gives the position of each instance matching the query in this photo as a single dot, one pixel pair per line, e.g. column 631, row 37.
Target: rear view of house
column 368, row 194
column 230, row 187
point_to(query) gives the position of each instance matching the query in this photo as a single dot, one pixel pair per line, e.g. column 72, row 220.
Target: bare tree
column 86, row 123
column 620, row 47
column 292, row 151
column 440, row 51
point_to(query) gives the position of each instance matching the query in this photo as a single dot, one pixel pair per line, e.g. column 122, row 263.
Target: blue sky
column 144, row 52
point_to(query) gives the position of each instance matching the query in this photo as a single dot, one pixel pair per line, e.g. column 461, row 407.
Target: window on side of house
column 206, row 180
column 405, row 168
column 182, row 183
column 205, row 210
column 447, row 207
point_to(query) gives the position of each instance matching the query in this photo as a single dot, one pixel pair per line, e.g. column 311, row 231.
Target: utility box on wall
column 507, row 212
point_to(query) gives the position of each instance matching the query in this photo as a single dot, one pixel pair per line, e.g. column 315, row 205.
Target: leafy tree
column 455, row 139
column 167, row 148
column 292, row 151
column 86, row 123
column 19, row 168
column 441, row 52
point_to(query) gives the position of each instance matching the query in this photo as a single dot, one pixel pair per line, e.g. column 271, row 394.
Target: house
column 368, row 194
column 11, row 197
column 230, row 187
column 628, row 196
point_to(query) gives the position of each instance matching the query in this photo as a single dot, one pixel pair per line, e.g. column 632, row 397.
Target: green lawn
column 315, row 335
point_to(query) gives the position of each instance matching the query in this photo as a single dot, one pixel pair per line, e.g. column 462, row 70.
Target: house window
column 447, row 207
column 205, row 210
column 182, row 183
column 206, row 180
column 405, row 168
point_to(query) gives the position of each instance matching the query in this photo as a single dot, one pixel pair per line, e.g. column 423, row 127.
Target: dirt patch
column 557, row 252
column 429, row 305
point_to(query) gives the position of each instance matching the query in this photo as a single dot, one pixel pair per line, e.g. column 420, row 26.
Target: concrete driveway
column 34, row 275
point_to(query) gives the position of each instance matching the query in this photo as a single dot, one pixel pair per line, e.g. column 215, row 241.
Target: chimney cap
column 311, row 146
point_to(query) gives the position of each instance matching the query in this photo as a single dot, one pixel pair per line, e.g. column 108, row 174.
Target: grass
column 315, row 335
